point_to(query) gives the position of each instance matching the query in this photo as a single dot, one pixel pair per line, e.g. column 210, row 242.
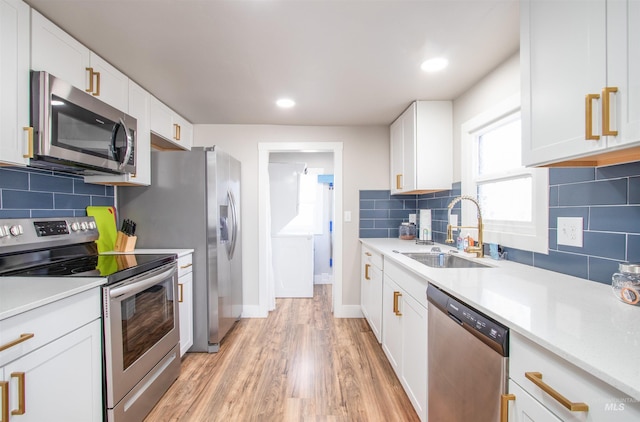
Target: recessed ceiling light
column 285, row 103
column 434, row 65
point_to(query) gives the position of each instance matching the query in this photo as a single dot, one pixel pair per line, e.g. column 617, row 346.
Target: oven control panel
column 20, row 234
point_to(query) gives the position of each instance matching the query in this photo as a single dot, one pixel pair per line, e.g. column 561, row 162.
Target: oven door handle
column 140, row 285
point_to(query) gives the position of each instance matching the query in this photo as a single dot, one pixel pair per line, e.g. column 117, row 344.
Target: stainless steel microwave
column 78, row 133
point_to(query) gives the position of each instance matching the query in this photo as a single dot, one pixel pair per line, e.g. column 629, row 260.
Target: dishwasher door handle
column 455, row 318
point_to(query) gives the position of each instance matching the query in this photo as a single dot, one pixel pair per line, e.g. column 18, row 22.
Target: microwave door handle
column 128, row 290
column 128, row 151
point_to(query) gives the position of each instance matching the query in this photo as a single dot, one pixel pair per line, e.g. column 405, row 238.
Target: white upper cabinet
column 169, row 129
column 58, row 53
column 108, row 83
column 139, row 108
column 580, row 62
column 14, row 82
column 421, row 148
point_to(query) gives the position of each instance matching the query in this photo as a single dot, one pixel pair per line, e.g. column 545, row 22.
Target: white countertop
column 578, row 319
column 21, row 294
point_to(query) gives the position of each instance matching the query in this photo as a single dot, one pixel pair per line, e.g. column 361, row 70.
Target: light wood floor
column 299, row 364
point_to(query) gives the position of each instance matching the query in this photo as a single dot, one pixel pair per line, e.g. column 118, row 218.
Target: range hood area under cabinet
column 421, row 148
column 580, row 74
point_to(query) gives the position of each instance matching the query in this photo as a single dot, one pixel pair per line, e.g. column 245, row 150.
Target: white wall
column 500, row 84
column 365, row 166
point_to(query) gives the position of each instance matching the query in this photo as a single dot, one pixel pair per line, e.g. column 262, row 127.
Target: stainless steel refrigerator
column 194, row 202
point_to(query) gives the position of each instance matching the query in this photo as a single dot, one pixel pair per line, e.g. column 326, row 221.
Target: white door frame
column 264, row 149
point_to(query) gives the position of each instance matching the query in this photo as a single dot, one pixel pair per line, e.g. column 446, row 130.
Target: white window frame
column 532, row 236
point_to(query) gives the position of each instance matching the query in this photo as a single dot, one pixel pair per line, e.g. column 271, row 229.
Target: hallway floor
column 299, row 364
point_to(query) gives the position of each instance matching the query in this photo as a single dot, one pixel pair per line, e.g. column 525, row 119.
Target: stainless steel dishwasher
column 467, row 361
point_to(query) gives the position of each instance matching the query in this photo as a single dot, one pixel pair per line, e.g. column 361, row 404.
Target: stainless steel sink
column 446, row 261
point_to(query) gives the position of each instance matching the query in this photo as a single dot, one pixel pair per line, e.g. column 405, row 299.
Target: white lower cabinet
column 371, row 290
column 546, row 386
column 404, row 332
column 185, row 302
column 54, row 371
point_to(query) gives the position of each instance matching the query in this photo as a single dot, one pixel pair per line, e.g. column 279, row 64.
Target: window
column 514, row 199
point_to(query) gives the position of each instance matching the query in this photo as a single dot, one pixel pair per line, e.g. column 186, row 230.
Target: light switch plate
column 347, row 216
column 570, row 231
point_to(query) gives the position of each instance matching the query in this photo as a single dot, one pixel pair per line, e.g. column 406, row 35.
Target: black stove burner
column 114, row 267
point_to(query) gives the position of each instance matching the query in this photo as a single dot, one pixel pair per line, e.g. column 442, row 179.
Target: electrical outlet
column 570, row 231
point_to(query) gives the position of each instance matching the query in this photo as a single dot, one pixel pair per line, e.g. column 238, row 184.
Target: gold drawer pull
column 396, row 311
column 536, row 378
column 366, row 272
column 5, row 400
column 368, row 253
column 398, row 181
column 504, row 406
column 23, row 337
column 182, row 267
column 21, row 388
column 606, row 111
column 181, row 292
column 588, row 118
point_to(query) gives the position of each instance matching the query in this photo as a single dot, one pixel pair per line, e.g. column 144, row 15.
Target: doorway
column 301, row 207
column 291, row 151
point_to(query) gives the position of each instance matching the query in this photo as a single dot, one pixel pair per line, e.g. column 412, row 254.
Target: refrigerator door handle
column 234, row 224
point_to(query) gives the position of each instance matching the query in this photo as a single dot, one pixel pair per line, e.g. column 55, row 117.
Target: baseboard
column 344, row 311
column 348, row 311
column 253, row 311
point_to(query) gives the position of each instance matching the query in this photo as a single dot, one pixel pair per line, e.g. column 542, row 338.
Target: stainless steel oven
column 141, row 340
column 139, row 304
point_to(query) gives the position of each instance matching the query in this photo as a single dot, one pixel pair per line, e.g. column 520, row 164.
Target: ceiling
column 344, row 62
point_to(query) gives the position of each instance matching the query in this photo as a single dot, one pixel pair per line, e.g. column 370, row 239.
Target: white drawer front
column 605, row 402
column 414, row 285
column 372, row 258
column 48, row 323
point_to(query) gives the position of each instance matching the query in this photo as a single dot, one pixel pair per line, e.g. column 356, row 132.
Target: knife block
column 125, row 243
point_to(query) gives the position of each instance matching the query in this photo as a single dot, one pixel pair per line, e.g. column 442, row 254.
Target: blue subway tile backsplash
column 26, row 192
column 607, row 199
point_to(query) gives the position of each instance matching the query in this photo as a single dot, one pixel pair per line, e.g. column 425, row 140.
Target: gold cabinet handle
column 176, row 130
column 97, row 93
column 366, row 271
column 536, row 378
column 182, row 267
column 23, row 337
column 5, row 400
column 93, row 89
column 396, row 311
column 504, row 406
column 588, row 118
column 398, row 181
column 606, row 111
column 90, row 89
column 368, row 253
column 180, row 292
column 29, row 130
column 21, row 396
